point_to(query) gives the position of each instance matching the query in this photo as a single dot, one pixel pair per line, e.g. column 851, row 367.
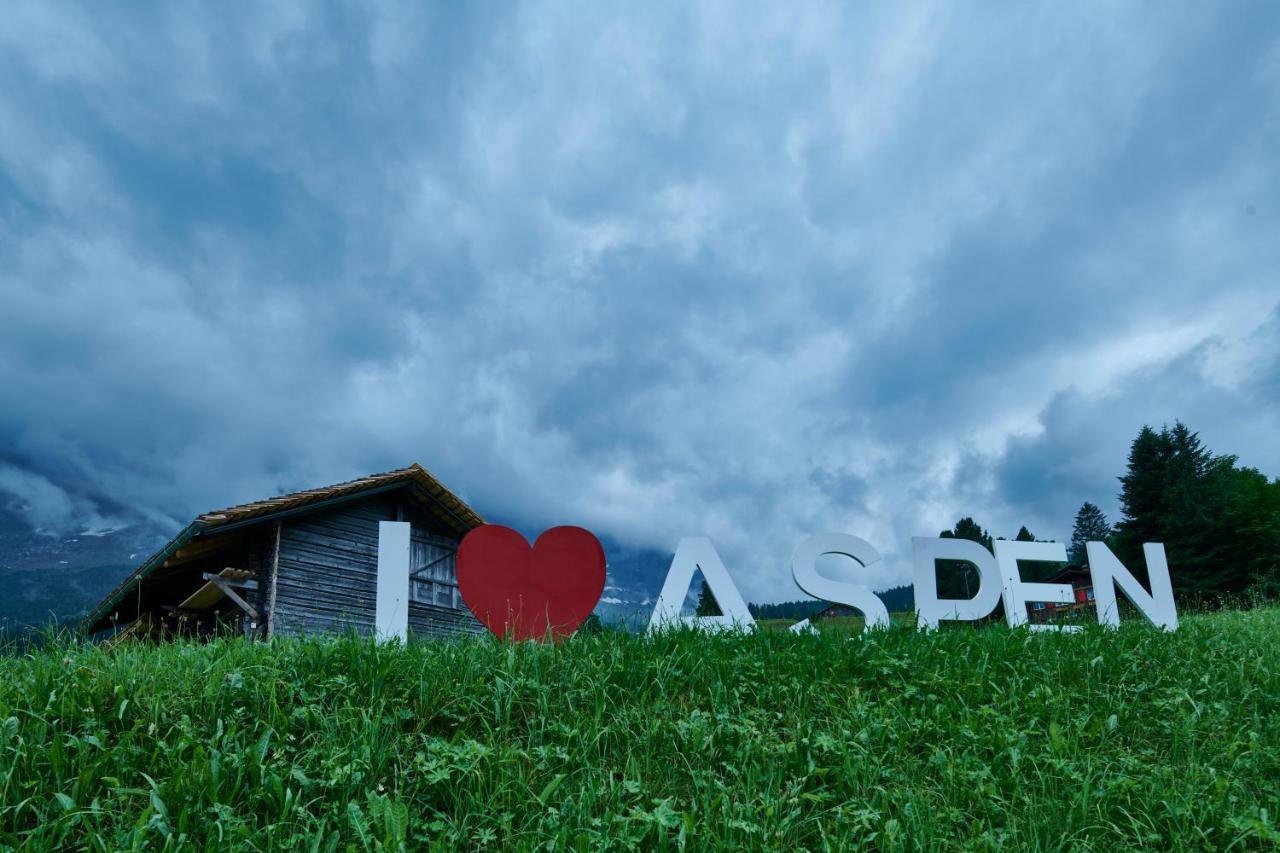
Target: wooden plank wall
column 435, row 607
column 328, row 572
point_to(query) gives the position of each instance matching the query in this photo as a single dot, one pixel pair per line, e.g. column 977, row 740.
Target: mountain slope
column 57, row 577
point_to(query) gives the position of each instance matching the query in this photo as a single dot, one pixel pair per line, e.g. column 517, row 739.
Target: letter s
column 804, row 568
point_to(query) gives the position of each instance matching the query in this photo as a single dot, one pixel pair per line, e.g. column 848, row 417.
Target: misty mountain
column 634, row 579
column 47, row 576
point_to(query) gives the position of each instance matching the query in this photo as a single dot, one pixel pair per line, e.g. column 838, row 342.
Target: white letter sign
column 1018, row 593
column 929, row 608
column 804, row 569
column 998, row 577
column 1108, row 573
column 391, row 613
column 694, row 553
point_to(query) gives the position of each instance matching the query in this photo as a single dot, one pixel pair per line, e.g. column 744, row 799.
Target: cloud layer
column 747, row 272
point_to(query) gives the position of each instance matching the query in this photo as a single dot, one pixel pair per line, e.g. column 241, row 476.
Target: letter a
column 691, row 554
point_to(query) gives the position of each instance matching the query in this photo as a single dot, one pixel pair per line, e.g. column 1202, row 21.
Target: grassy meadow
column 961, row 739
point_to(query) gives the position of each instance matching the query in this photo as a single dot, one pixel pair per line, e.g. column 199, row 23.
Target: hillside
column 985, row 738
column 56, row 577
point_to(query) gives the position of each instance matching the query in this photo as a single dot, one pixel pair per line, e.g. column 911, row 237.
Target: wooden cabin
column 835, row 611
column 1081, row 583
column 299, row 563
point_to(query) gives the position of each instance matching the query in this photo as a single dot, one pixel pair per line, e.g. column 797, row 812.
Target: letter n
column 1108, row 573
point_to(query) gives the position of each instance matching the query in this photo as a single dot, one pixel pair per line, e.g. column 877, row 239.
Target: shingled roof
column 450, row 509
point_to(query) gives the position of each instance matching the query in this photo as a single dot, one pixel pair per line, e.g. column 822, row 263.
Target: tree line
column 1219, row 522
column 899, row 599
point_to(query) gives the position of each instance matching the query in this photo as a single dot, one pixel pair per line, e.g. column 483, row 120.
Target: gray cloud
column 750, row 273
column 1224, row 388
column 49, row 509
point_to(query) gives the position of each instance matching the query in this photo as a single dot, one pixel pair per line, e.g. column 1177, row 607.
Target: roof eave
column 139, row 574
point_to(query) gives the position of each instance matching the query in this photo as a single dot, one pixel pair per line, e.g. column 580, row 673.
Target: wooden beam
column 416, row 573
column 221, row 583
column 230, row 580
column 204, row 546
column 210, row 594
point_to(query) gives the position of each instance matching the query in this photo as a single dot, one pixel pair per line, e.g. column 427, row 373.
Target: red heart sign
column 530, row 593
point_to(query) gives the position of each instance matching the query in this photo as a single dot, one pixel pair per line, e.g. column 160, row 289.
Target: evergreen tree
column 1034, row 571
column 1220, row 524
column 794, row 610
column 1142, row 492
column 1091, row 526
column 957, row 579
column 967, row 528
column 707, row 605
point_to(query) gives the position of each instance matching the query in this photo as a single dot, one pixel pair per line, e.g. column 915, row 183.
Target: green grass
column 979, row 739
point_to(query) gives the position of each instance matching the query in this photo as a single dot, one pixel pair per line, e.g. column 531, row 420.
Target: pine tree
column 967, row 528
column 1035, row 571
column 1091, row 526
column 707, row 605
column 956, row 579
column 1142, row 492
column 1219, row 524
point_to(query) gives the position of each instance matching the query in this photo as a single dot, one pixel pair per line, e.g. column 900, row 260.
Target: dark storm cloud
column 753, row 273
column 1218, row 389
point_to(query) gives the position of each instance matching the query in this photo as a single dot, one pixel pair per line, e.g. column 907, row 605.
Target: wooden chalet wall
column 249, row 549
column 254, row 555
column 326, row 578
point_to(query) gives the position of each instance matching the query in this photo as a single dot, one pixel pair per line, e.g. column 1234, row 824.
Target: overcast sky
column 748, row 272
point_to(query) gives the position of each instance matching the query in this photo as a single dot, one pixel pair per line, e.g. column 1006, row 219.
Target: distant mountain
column 47, row 577
column 634, row 579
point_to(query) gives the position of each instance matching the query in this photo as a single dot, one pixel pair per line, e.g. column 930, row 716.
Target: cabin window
column 1037, row 605
column 1088, row 593
column 440, row 593
column 433, row 577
